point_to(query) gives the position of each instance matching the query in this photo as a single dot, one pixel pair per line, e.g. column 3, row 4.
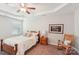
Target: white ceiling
column 71, row 7
column 46, row 7
column 41, row 8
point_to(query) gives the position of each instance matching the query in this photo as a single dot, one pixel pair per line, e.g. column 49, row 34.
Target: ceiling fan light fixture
column 26, row 8
column 23, row 9
column 22, row 4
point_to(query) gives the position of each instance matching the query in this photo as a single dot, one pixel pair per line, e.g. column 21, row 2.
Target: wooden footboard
column 9, row 49
column 12, row 50
column 38, row 37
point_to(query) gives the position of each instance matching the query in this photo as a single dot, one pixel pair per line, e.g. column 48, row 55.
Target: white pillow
column 35, row 33
column 66, row 42
column 28, row 34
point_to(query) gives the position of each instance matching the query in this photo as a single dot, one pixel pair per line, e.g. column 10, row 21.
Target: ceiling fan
column 24, row 7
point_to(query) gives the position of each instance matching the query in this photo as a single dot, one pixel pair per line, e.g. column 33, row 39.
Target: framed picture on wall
column 56, row 28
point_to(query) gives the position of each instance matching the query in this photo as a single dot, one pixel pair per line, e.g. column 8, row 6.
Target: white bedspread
column 24, row 43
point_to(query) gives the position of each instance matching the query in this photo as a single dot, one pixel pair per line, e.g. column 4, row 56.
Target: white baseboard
column 75, row 49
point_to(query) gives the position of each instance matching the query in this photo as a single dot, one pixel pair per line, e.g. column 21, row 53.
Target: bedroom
column 15, row 22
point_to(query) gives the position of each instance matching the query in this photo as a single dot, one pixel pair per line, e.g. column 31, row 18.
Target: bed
column 19, row 44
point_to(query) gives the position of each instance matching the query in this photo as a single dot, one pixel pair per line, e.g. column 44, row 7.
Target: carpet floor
column 47, row 50
column 44, row 50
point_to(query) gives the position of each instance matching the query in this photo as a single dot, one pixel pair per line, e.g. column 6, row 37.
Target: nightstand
column 43, row 40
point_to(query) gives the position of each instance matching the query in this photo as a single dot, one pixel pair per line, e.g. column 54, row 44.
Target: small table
column 59, row 47
column 44, row 40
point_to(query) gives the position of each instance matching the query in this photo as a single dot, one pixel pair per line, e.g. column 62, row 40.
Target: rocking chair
column 66, row 43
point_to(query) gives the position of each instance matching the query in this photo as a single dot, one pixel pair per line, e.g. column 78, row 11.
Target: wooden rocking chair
column 66, row 43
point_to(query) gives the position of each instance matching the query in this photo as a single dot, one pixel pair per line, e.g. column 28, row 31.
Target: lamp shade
column 43, row 33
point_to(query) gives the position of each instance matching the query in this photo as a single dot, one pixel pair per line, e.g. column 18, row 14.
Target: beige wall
column 76, row 29
column 42, row 23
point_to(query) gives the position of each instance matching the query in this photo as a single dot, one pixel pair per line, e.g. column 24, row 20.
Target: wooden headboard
column 38, row 34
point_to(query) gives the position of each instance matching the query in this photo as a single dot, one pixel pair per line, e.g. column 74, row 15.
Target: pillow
column 34, row 33
column 28, row 34
column 66, row 42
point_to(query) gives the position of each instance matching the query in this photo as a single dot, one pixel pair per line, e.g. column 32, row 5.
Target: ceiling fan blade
column 31, row 8
column 28, row 12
